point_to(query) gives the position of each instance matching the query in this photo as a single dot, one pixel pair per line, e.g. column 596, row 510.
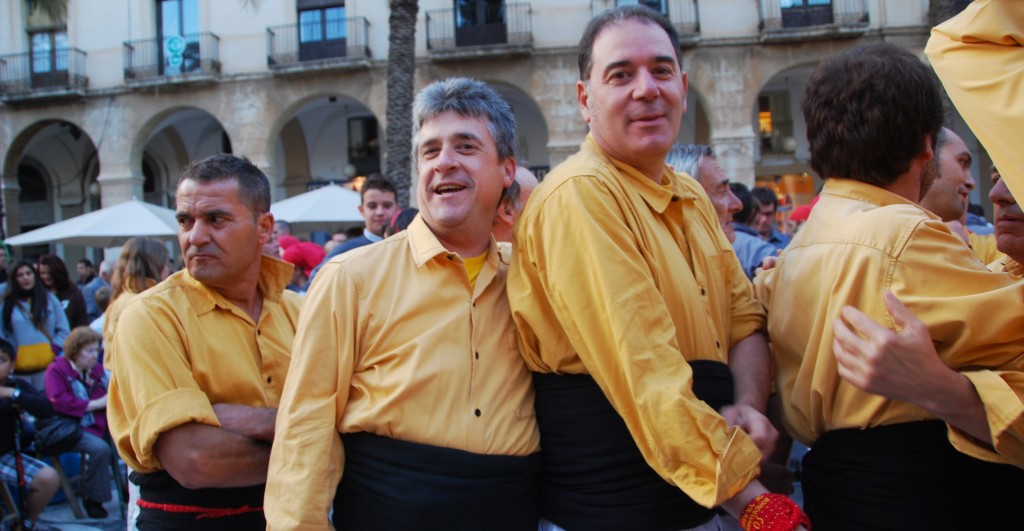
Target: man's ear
column 509, row 168
column 583, row 98
column 265, row 227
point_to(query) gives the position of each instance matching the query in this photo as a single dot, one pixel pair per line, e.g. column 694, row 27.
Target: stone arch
column 531, row 126
column 323, row 136
column 63, row 158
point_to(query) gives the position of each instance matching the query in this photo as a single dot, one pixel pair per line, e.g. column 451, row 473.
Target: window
column 49, row 58
column 179, row 36
column 657, row 5
column 802, row 13
column 480, row 22
column 322, row 30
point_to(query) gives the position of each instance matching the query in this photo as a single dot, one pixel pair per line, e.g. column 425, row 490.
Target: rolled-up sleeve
column 153, row 388
column 307, row 459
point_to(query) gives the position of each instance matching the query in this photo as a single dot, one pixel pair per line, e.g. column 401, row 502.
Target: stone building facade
column 107, row 101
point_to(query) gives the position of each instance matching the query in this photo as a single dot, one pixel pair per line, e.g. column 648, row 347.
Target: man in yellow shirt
column 407, row 349
column 202, row 358
column 872, row 116
column 632, row 309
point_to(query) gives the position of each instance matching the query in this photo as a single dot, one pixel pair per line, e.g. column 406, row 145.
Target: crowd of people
column 630, row 344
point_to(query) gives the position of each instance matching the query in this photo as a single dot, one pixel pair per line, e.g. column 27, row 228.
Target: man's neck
column 907, row 186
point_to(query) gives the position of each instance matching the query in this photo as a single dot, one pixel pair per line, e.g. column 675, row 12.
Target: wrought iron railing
column 43, row 71
column 684, row 14
column 509, row 24
column 835, row 12
column 290, row 44
column 174, row 56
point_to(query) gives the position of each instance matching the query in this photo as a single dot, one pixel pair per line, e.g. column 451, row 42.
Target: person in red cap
column 304, row 256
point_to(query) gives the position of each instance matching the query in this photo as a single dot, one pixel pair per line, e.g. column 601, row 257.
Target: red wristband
column 773, row 512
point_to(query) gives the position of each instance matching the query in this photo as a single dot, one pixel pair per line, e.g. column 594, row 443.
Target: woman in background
column 77, row 387
column 32, row 321
column 55, row 277
column 143, row 264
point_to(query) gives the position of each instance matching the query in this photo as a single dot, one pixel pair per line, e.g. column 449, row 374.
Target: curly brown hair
column 869, row 112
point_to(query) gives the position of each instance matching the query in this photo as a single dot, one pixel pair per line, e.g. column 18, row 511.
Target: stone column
column 734, row 151
column 119, row 184
column 12, row 212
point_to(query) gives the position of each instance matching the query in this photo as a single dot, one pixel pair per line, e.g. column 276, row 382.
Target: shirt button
column 269, row 379
column 450, row 257
column 703, row 291
column 259, row 332
column 477, row 354
column 674, row 199
column 718, row 345
column 477, row 412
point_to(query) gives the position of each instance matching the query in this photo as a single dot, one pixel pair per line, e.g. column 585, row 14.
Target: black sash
column 228, row 509
column 594, row 476
column 906, row 476
column 392, row 484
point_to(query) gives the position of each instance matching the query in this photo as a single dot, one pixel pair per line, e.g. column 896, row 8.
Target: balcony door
column 322, row 30
column 49, row 58
column 657, row 5
column 480, row 22
column 178, row 26
column 803, row 13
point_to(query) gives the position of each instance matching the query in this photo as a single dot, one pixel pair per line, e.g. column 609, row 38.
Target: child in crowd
column 17, row 395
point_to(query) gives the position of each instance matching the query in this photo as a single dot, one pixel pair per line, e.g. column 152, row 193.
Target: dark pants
column 905, row 476
column 392, row 484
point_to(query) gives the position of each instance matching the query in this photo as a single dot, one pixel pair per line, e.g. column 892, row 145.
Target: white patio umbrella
column 106, row 227
column 329, row 205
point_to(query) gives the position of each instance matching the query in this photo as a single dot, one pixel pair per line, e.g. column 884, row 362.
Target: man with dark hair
column 88, row 283
column 873, row 114
column 634, row 314
column 947, row 196
column 379, row 203
column 751, row 250
column 765, row 222
column 408, row 350
column 203, row 358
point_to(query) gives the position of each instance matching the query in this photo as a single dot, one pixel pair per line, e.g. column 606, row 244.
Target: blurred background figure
column 400, row 221
column 77, row 387
column 55, row 277
column 143, row 264
column 33, row 321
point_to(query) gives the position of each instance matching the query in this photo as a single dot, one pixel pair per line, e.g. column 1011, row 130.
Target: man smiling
column 634, row 314
column 408, row 350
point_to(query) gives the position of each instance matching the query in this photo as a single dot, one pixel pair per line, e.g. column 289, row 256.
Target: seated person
column 17, row 395
column 77, row 387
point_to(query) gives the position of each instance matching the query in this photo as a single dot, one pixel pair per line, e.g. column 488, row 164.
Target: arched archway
column 173, row 138
column 531, row 128
column 54, row 162
column 325, row 138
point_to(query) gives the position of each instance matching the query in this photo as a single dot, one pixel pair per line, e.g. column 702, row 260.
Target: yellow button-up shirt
column 859, row 242
column 393, row 340
column 979, row 55
column 182, row 347
column 626, row 280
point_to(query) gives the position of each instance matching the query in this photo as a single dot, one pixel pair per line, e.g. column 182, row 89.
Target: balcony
column 174, row 59
column 48, row 75
column 341, row 44
column 683, row 14
column 504, row 31
column 808, row 20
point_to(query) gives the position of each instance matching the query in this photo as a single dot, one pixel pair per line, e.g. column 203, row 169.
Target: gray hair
column 471, row 98
column 685, row 158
